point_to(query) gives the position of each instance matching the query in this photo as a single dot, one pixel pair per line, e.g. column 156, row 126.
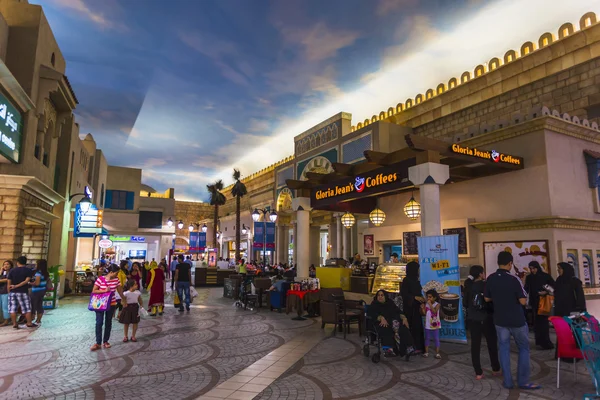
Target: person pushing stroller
column 391, row 325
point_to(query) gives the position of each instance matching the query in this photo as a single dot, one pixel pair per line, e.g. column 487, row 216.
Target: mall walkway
column 218, row 351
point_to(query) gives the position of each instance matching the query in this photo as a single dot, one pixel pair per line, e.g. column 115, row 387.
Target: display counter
column 361, row 284
column 333, row 277
column 389, row 277
column 211, row 276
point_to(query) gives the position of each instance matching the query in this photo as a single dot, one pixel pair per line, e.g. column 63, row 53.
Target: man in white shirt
column 222, row 264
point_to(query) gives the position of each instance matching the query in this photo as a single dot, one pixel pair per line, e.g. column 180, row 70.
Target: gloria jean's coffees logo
column 487, row 155
column 359, row 185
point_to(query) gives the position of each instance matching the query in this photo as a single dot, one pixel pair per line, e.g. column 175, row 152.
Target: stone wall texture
column 571, row 91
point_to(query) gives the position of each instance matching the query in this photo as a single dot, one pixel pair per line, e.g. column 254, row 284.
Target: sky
column 189, row 89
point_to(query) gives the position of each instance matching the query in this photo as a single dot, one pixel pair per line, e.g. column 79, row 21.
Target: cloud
column 385, row 7
column 227, row 127
column 224, row 54
column 98, row 18
column 154, row 162
column 410, row 36
column 258, row 125
column 319, row 42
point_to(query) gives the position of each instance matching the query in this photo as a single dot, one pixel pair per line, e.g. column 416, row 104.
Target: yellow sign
column 452, row 283
column 487, row 155
column 358, row 185
column 442, row 264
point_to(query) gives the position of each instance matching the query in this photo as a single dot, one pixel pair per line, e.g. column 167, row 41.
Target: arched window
column 102, row 196
column 53, row 59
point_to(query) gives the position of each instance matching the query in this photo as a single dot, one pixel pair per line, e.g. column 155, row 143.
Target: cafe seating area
column 338, row 308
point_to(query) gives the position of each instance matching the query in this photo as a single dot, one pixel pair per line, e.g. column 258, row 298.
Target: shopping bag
column 545, row 305
column 100, row 301
column 143, row 313
column 193, row 292
column 176, row 301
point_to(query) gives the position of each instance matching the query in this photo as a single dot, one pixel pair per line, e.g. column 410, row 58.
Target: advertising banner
column 438, row 256
column 11, row 128
column 270, row 242
column 260, row 239
column 259, row 235
column 197, row 242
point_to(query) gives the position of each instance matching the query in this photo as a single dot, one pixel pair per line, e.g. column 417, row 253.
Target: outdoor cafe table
column 300, row 300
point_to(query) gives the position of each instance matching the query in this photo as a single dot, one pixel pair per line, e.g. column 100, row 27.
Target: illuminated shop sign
column 370, row 183
column 492, row 155
column 11, row 129
column 136, row 239
column 88, row 224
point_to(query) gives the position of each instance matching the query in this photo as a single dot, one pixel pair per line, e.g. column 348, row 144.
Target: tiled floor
column 255, row 378
column 221, row 352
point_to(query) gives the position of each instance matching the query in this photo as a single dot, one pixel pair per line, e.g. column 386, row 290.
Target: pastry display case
column 389, row 277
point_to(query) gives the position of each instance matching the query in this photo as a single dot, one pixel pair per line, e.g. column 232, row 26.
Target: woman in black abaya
column 412, row 297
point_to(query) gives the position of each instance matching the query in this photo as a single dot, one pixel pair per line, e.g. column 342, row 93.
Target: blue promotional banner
column 270, row 243
column 259, row 235
column 197, row 242
column 260, row 239
column 438, row 256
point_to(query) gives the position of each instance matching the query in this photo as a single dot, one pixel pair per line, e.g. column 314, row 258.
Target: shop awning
column 384, row 173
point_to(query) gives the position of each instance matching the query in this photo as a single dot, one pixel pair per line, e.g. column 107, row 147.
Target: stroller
column 373, row 338
column 246, row 298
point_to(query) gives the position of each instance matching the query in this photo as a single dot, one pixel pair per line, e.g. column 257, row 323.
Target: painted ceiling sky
column 189, row 89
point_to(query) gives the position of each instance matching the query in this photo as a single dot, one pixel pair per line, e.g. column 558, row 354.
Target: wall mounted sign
column 492, row 155
column 11, row 130
column 88, row 224
column 410, row 243
column 105, row 244
column 462, row 239
column 523, row 253
column 370, row 183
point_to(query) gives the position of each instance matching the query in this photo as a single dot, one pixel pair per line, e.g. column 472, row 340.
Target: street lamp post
column 273, row 217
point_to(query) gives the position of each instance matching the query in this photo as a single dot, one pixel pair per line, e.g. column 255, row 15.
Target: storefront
column 509, row 191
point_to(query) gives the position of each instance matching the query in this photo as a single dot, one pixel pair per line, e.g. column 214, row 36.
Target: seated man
column 277, row 285
column 392, row 326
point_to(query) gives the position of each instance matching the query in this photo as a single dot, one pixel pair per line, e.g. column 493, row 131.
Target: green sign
column 11, row 130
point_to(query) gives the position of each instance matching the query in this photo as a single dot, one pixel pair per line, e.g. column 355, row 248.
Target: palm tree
column 216, row 199
column 238, row 191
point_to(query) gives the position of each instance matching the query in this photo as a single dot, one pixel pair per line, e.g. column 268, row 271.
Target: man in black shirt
column 18, row 292
column 509, row 297
column 182, row 281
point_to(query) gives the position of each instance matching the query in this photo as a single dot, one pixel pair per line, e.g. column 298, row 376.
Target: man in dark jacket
column 535, row 285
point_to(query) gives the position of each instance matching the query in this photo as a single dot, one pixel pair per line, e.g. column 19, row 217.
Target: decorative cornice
column 323, row 124
column 546, row 122
column 33, row 186
column 538, row 223
column 39, row 214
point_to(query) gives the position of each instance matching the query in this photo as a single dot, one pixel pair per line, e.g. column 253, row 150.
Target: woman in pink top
column 106, row 283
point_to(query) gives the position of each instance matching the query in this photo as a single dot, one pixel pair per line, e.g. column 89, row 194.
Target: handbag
column 545, row 305
column 100, row 301
column 176, row 301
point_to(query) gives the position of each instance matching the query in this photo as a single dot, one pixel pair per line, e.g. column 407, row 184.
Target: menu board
column 410, row 245
column 462, row 238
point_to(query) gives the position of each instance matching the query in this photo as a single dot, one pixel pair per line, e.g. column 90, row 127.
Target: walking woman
column 481, row 322
column 412, row 297
column 537, row 284
column 104, row 284
column 156, row 286
column 568, row 292
column 6, row 267
column 38, row 290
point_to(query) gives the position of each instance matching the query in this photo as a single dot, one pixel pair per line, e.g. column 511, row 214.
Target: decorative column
column 332, row 238
column 295, row 253
column 302, row 240
column 347, row 239
column 429, row 177
column 285, row 243
column 339, row 237
column 315, row 246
